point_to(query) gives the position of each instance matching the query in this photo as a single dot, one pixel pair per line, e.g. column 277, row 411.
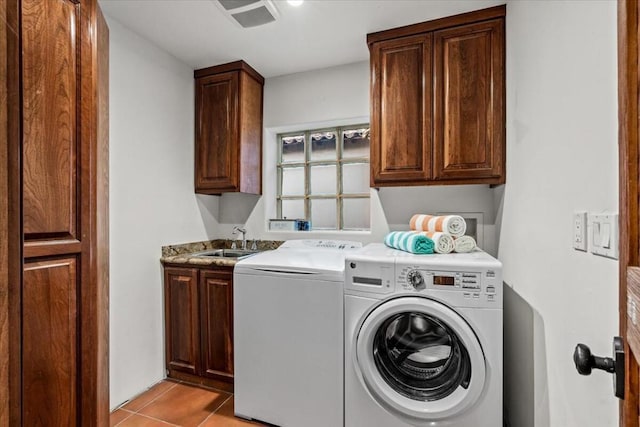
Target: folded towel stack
column 454, row 225
column 443, row 242
column 464, row 244
column 409, row 242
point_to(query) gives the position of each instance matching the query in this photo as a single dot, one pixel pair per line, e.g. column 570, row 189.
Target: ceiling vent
column 248, row 13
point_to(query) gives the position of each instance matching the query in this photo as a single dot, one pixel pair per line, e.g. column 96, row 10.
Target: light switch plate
column 604, row 234
column 580, row 230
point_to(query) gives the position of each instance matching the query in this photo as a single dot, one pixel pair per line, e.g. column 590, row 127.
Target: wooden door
column 469, row 131
column 629, row 146
column 64, row 310
column 181, row 319
column 216, row 144
column 401, row 96
column 216, row 324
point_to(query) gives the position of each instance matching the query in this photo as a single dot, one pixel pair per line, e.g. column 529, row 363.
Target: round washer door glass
column 420, row 356
column 420, row 359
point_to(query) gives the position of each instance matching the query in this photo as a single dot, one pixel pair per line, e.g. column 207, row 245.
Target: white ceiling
column 317, row 34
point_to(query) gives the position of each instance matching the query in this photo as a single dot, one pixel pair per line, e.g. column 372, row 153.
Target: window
column 323, row 176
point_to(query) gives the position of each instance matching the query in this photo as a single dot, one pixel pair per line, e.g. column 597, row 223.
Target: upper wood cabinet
column 228, row 139
column 437, row 101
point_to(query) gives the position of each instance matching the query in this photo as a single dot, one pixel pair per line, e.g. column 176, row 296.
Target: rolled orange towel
column 451, row 224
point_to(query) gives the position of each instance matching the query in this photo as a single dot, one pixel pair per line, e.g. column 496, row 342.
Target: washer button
column 491, row 297
column 491, row 289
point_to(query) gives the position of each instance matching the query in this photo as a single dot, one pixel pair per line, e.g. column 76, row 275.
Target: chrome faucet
column 237, row 230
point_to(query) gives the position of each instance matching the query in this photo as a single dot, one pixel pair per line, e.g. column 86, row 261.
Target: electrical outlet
column 580, row 230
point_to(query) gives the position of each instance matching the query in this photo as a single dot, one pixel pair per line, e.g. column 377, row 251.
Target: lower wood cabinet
column 199, row 324
column 216, row 324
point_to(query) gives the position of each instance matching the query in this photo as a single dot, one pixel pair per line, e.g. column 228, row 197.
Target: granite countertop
column 182, row 253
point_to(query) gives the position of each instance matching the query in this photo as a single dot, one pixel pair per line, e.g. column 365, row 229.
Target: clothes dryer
column 288, row 334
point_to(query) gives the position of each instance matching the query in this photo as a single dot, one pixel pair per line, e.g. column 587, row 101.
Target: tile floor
column 174, row 403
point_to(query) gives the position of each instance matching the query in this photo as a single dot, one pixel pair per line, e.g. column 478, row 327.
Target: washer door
column 419, row 359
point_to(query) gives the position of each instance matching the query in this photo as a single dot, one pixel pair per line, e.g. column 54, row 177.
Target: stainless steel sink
column 225, row 253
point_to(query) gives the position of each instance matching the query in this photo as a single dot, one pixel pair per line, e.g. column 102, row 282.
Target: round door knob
column 582, row 359
column 415, row 279
column 585, row 361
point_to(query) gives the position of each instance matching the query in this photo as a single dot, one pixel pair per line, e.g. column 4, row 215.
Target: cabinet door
column 51, row 159
column 216, row 311
column 216, row 142
column 401, row 111
column 469, row 132
column 49, row 343
column 181, row 319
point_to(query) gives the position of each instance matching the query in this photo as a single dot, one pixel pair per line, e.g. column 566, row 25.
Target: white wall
column 152, row 200
column 561, row 157
column 334, row 96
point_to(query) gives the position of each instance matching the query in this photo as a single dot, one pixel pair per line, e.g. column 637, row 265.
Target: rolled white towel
column 442, row 242
column 454, row 225
column 464, row 244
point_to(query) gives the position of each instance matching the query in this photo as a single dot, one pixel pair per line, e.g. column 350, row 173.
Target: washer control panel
column 468, row 285
column 462, row 280
column 418, row 278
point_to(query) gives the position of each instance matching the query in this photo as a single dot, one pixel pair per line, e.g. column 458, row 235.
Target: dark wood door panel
column 217, row 131
column 50, row 91
column 49, row 339
column 181, row 319
column 401, row 109
column 216, row 311
column 469, row 111
column 629, row 185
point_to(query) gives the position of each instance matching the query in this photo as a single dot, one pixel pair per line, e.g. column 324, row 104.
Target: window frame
column 307, row 164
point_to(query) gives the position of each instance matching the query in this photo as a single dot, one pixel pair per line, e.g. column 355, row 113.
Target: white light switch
column 580, row 230
column 604, row 230
column 605, row 235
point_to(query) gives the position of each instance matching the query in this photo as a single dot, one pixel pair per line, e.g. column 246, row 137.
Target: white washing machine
column 288, row 334
column 423, row 339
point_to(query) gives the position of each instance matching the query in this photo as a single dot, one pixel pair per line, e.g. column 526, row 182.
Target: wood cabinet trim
column 231, row 66
column 10, row 215
column 437, row 24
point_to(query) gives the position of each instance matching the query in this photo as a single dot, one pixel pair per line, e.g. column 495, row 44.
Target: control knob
column 415, row 279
